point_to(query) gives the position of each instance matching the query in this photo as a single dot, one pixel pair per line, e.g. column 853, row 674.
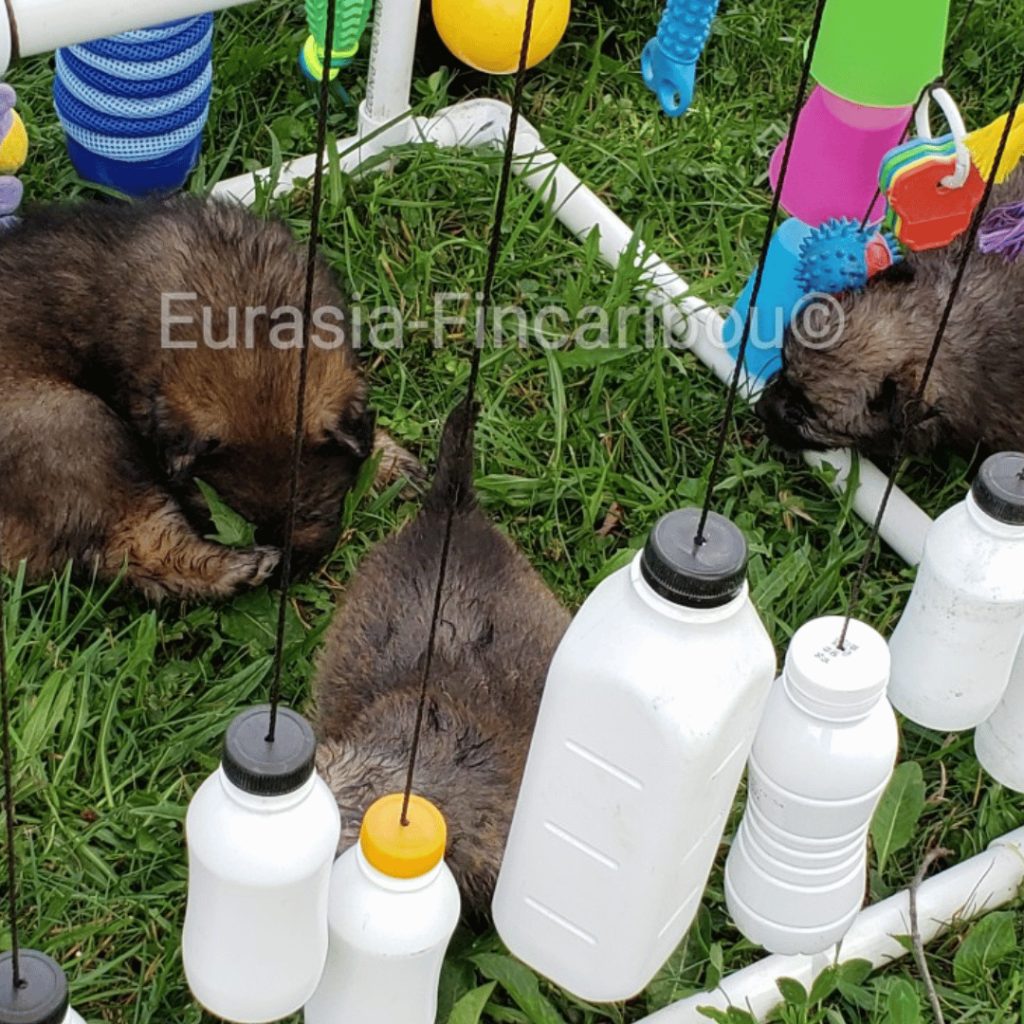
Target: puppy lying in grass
column 855, row 387
column 145, row 347
column 499, row 627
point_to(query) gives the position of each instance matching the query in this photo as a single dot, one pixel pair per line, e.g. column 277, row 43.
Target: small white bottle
column 999, row 740
column 262, row 833
column 393, row 909
column 955, row 643
column 824, row 752
column 42, row 997
column 649, row 710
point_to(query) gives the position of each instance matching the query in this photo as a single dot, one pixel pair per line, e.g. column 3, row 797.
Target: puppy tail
column 453, row 477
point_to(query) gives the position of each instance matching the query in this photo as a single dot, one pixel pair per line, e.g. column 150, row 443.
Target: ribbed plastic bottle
column 262, row 833
column 999, row 740
column 43, row 996
column 824, row 752
column 393, row 909
column 955, row 643
column 649, row 710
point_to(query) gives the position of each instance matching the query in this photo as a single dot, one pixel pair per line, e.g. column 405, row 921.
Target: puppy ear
column 354, row 433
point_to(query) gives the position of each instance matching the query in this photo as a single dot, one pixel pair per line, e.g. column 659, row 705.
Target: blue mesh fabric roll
column 133, row 106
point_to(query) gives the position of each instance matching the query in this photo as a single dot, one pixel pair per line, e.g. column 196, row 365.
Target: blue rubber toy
column 669, row 60
column 833, row 257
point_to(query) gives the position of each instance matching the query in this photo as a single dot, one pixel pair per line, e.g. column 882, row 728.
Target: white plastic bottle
column 393, row 908
column 262, row 834
column 824, row 752
column 999, row 740
column 955, row 643
column 649, row 710
column 43, row 995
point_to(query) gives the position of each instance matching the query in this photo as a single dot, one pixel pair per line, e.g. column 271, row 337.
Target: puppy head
column 228, row 418
column 851, row 366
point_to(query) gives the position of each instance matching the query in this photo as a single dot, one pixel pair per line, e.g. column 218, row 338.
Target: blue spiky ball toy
column 840, row 255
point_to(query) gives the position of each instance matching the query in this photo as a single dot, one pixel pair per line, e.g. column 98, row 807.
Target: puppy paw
column 397, row 463
column 254, row 566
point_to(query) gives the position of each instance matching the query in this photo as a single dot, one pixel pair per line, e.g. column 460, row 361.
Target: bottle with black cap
column 42, row 997
column 955, row 643
column 262, row 833
column 649, row 710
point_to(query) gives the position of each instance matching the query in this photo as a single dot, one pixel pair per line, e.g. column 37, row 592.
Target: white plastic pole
column 972, row 887
column 389, row 85
column 44, row 25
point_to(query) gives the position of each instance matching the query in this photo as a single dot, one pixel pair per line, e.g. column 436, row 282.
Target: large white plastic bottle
column 824, row 752
column 393, row 909
column 649, row 710
column 955, row 643
column 262, row 834
column 43, row 995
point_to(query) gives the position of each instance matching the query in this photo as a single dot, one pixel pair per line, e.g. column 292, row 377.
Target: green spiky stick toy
column 349, row 23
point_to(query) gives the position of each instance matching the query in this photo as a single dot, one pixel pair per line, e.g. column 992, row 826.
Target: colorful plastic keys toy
column 350, row 18
column 669, row 60
column 932, row 185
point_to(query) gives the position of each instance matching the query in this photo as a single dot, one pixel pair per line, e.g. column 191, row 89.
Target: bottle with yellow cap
column 393, row 907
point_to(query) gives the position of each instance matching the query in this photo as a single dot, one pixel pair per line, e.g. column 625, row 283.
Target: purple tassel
column 1002, row 232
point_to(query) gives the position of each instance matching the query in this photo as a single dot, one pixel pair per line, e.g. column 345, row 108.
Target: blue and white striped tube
column 133, row 106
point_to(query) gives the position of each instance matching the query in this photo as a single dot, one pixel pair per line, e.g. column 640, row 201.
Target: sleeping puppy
column 145, row 347
column 499, row 627
column 855, row 384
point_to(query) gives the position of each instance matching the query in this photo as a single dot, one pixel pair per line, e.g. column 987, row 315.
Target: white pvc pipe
column 964, row 891
column 389, row 85
column 44, row 25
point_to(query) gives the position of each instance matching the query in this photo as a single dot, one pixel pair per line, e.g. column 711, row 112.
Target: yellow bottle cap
column 403, row 851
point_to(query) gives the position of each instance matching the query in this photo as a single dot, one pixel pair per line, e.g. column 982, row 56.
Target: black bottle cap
column 699, row 576
column 999, row 487
column 42, row 999
column 269, row 769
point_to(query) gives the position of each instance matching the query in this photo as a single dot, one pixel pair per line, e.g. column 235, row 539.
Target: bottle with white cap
column 824, row 752
column 42, row 996
column 393, row 909
column 649, row 710
column 262, row 834
column 955, row 643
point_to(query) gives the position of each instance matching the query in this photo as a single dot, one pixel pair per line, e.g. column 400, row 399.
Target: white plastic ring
column 956, row 124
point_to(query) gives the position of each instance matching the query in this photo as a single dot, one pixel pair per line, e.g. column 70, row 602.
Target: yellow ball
column 13, row 147
column 488, row 34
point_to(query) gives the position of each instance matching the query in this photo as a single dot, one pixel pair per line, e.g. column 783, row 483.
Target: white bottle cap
column 43, row 996
column 836, row 683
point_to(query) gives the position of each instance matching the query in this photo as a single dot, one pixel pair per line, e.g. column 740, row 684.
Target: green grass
column 120, row 708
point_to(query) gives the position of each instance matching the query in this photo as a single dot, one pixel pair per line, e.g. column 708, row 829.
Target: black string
column 12, row 866
column 300, row 398
column 914, row 411
column 474, row 372
column 716, row 463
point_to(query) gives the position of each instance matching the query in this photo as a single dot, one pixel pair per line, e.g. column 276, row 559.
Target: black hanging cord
column 300, row 398
column 730, row 402
column 12, row 866
column 474, row 372
column 914, row 407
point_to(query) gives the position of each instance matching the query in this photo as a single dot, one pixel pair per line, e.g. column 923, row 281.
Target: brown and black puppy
column 854, row 385
column 499, row 627
column 143, row 347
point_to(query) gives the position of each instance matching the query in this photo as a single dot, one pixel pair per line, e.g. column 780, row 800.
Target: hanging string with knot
column 773, row 216
column 8, row 756
column 474, row 372
column 914, row 412
column 316, row 204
